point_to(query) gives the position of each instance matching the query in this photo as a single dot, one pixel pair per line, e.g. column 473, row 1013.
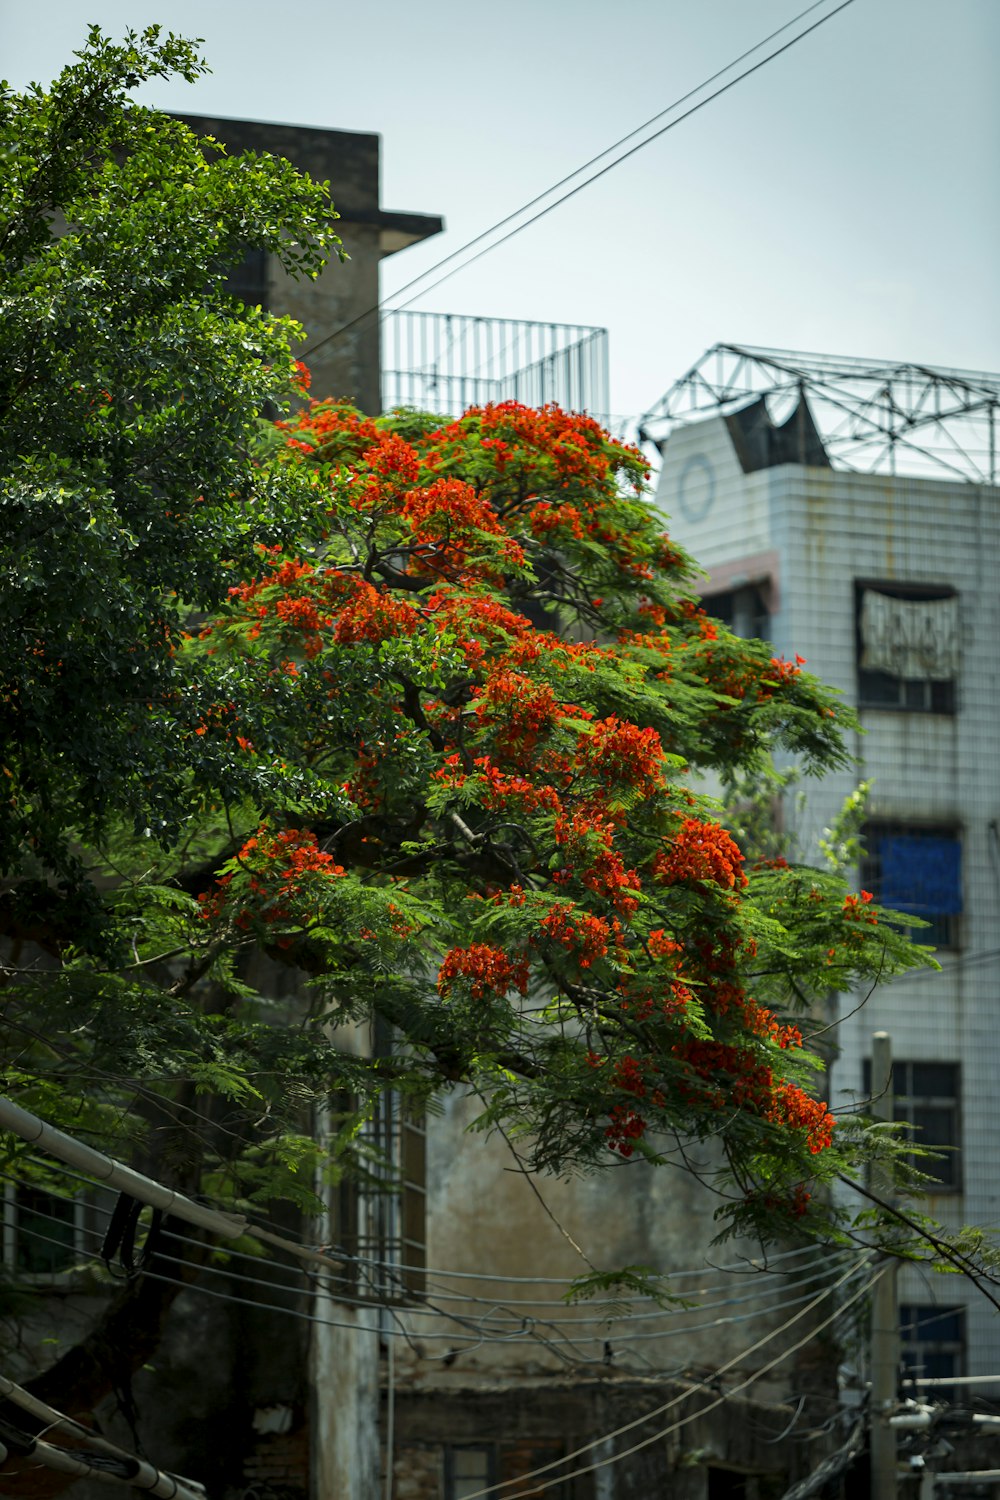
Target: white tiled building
column 848, row 511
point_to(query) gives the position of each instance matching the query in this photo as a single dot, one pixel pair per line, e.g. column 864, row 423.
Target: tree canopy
column 130, row 388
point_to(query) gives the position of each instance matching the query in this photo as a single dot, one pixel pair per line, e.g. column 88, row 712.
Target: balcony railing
column 445, row 362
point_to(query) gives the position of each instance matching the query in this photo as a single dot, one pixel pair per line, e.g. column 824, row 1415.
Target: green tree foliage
column 393, row 720
column 130, row 387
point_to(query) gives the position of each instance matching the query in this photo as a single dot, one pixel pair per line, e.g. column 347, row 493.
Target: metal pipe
column 885, row 1331
column 140, row 1476
column 954, row 1380
column 115, row 1174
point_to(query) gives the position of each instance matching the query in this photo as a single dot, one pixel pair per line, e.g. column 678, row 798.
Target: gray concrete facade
column 346, row 295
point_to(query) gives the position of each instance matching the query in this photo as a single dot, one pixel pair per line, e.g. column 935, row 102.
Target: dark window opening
column 468, row 1469
column 248, row 280
column 744, row 611
column 471, row 1467
column 907, row 647
column 926, row 1097
column 932, row 1347
column 917, row 870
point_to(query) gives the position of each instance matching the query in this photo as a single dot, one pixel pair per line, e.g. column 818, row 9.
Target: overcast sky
column 845, row 198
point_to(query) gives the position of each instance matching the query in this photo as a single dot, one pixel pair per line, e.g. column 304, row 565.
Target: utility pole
column 885, row 1316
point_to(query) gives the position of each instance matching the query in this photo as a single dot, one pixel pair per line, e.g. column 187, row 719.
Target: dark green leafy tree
column 130, row 389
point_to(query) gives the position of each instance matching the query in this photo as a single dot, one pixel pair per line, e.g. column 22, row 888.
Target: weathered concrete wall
column 486, row 1220
column 346, row 365
column 532, row 1424
column 496, row 1359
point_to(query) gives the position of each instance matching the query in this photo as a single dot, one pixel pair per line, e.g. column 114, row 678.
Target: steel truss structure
column 447, row 362
column 873, row 416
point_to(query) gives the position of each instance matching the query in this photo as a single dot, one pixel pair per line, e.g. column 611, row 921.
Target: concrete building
column 847, row 510
column 346, row 295
column 489, row 1375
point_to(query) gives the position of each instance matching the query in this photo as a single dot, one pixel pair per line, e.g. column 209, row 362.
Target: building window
column 380, row 1210
column 248, row 280
column 908, row 647
column 469, row 1468
column 917, row 870
column 41, row 1231
column 926, row 1096
column 742, row 610
column 932, row 1345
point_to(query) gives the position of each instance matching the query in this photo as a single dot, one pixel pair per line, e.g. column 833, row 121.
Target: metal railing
column 447, row 362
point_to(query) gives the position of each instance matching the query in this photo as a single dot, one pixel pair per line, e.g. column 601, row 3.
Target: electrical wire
column 677, row 1400
column 481, row 1331
column 472, row 1333
column 744, row 1266
column 513, row 1328
column 817, row 1256
column 507, row 1309
column 486, row 233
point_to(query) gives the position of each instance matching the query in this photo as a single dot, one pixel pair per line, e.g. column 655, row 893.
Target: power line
column 703, row 1411
column 147, row 1190
column 685, row 1395
column 519, row 1323
column 807, row 1255
column 468, row 1333
column 512, row 1324
column 502, row 223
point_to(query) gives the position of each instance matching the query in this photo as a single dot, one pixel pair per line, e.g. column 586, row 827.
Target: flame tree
column 463, row 720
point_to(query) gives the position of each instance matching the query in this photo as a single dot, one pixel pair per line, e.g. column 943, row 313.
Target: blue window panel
column 920, row 875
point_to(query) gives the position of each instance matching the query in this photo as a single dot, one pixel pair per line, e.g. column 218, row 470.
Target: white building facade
column 848, row 512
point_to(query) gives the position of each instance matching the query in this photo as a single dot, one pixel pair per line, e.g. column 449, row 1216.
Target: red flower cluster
column 625, row 1129
column 289, row 857
column 483, row 968
column 854, row 909
column 278, row 868
column 794, row 1108
column 753, row 1087
column 617, row 751
column 393, row 458
column 370, row 614
column 703, row 852
column 544, row 518
column 450, row 523
column 581, row 933
column 628, row 1075
column 500, row 791
column 520, row 711
column 342, row 433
